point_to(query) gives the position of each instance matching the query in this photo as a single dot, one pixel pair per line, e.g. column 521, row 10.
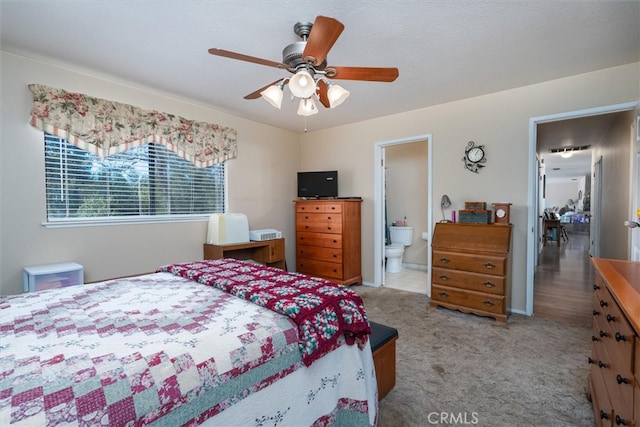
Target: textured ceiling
column 445, row 50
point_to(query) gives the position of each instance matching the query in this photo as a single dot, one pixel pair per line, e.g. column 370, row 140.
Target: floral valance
column 106, row 127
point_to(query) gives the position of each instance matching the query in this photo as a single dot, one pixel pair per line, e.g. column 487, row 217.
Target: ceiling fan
column 307, row 61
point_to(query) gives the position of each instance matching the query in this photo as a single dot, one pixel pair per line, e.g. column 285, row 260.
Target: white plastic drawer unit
column 50, row 276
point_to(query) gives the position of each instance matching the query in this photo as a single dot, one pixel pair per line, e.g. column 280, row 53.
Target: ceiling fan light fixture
column 273, row 95
column 307, row 107
column 336, row 94
column 302, row 85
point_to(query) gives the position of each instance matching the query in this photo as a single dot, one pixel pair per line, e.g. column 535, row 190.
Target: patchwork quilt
column 322, row 310
column 164, row 350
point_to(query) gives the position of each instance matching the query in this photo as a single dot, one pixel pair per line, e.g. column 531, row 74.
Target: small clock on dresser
column 501, row 213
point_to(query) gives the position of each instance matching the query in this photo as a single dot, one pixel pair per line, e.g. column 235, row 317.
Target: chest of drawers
column 328, row 239
column 471, row 268
column 615, row 360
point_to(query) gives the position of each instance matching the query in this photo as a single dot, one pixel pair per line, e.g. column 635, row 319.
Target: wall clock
column 474, row 157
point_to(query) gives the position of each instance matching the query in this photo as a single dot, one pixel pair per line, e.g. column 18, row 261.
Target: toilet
column 400, row 238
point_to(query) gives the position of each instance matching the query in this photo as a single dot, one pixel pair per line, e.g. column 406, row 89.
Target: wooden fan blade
column 324, row 33
column 322, row 93
column 241, row 57
column 371, row 74
column 256, row 94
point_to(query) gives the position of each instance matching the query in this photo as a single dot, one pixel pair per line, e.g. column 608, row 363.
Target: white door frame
column 532, row 213
column 596, row 208
column 378, row 203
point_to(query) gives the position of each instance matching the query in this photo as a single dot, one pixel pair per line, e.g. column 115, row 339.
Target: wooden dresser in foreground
column 614, row 376
column 328, row 239
column 471, row 268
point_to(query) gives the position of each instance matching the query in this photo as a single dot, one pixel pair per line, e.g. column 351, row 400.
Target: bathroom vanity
column 471, row 268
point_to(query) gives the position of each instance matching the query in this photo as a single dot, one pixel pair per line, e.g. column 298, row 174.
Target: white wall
column 262, row 184
column 499, row 120
column 558, row 193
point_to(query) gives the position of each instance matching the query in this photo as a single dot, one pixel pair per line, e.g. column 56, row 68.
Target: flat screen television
column 318, row 184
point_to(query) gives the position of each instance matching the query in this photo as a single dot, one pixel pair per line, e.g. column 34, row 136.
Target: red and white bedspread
column 164, row 350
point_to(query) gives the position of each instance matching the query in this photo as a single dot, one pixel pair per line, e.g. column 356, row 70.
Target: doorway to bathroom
column 403, row 184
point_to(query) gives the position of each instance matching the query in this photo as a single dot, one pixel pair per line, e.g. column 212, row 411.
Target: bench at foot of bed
column 383, row 345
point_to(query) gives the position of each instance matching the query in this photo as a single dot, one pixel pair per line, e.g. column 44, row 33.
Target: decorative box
column 475, row 206
column 474, row 216
column 50, row 276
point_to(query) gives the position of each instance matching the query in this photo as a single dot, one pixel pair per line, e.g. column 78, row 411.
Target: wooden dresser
column 614, row 376
column 471, row 268
column 328, row 239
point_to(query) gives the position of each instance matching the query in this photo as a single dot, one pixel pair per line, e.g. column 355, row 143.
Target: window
column 143, row 183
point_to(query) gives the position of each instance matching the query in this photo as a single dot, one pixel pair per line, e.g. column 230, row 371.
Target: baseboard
column 413, row 266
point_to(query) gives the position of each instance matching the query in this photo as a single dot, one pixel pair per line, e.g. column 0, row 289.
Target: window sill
column 101, row 222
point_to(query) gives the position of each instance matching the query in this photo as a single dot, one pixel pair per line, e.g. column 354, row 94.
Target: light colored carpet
column 461, row 369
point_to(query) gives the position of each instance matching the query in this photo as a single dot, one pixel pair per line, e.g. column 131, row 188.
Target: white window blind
column 142, row 183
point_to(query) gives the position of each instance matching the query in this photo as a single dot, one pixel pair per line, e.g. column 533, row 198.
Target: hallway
column 563, row 283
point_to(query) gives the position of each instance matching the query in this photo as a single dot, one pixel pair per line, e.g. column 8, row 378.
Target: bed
column 217, row 342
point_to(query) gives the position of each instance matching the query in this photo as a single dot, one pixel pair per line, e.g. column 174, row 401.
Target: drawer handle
column 317, row 207
column 594, row 338
column 488, row 303
column 443, row 294
column 621, row 380
column 444, row 277
column 603, row 415
column 621, row 421
column 611, row 318
column 620, row 337
column 329, row 218
column 489, row 265
column 335, row 241
column 306, row 226
column 601, row 364
column 591, row 361
column 445, row 260
column 603, row 303
column 596, row 287
column 489, row 284
column 596, row 313
column 328, row 228
column 603, row 334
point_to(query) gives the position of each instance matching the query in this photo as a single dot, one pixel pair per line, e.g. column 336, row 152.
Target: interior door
column 635, row 188
column 596, row 196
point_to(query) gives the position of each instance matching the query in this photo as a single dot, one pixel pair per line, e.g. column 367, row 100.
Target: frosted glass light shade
column 337, row 94
column 273, row 95
column 307, row 107
column 302, row 84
